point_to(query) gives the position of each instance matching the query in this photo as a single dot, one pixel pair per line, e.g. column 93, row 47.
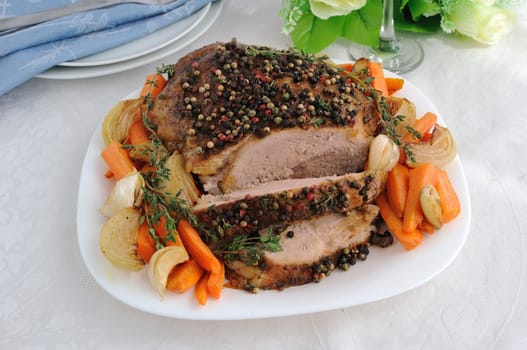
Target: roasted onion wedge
column 127, row 193
column 439, row 151
column 118, row 239
column 180, row 182
column 162, row 262
column 118, row 120
column 404, row 111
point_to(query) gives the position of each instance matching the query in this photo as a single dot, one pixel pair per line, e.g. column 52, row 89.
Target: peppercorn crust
column 225, row 93
column 312, row 250
column 250, row 211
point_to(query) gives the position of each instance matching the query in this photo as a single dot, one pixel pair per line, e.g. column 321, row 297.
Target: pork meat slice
column 226, row 97
column 296, row 154
column 311, row 249
column 286, row 201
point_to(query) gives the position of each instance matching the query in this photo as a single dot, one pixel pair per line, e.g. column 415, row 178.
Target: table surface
column 48, row 300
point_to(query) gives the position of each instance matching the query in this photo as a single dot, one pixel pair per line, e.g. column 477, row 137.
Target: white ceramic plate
column 386, row 272
column 150, row 43
column 67, row 73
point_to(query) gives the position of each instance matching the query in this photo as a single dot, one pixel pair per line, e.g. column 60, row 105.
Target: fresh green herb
column 167, row 70
column 316, row 122
column 390, row 123
column 262, row 51
column 160, row 204
column 416, row 134
column 249, row 248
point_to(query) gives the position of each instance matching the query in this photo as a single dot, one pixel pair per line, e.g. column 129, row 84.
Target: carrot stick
column 118, row 160
column 410, row 239
column 137, row 133
column 108, row 174
column 162, row 232
column 184, row 276
column 394, row 84
column 425, row 226
column 153, row 85
column 377, row 73
column 146, row 247
column 421, row 125
column 346, row 66
column 215, row 282
column 418, row 178
column 450, row 204
column 200, row 291
column 197, row 248
column 397, row 188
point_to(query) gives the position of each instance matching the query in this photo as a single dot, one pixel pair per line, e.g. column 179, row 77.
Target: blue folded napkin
column 28, row 52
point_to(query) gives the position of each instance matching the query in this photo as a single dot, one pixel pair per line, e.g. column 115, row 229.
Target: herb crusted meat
column 228, row 102
column 279, row 141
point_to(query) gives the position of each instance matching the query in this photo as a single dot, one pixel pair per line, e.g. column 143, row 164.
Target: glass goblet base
column 399, row 56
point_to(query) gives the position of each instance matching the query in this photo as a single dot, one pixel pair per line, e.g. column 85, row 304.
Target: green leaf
column 363, row 25
column 312, row 34
column 420, row 8
column 423, row 25
column 404, row 22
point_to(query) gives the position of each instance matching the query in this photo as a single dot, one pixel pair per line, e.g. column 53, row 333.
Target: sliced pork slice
column 311, row 249
column 287, row 201
column 296, row 154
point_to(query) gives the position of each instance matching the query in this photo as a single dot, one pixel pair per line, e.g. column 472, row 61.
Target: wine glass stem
column 387, row 40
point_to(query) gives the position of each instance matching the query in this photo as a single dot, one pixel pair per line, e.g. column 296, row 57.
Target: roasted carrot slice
column 162, row 232
column 394, row 84
column 421, row 125
column 118, row 160
column 200, row 291
column 397, row 188
column 184, row 276
column 197, row 248
column 215, row 282
column 418, row 178
column 377, row 73
column 410, row 239
column 450, row 204
column 137, row 133
column 146, row 247
column 153, row 85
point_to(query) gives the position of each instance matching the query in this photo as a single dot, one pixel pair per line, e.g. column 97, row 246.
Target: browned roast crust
column 225, row 92
column 250, row 211
column 280, row 270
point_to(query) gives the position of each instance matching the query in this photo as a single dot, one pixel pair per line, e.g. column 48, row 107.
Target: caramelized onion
column 162, row 262
column 118, row 239
column 401, row 107
column 439, row 151
column 126, row 193
column 180, row 182
column 118, row 120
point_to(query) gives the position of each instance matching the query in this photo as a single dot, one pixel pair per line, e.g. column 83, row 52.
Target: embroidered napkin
column 28, row 52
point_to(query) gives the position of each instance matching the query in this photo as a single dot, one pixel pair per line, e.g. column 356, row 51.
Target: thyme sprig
column 390, row 124
column 161, row 207
column 250, row 248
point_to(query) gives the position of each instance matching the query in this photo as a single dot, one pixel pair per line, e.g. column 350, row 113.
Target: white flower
column 486, row 24
column 328, row 8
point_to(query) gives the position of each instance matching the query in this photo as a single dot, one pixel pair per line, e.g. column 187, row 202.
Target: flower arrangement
column 315, row 24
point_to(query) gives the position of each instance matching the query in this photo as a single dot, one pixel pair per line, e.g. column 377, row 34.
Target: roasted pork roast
column 278, row 141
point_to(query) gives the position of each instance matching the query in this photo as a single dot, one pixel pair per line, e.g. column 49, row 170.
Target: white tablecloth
column 49, row 301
